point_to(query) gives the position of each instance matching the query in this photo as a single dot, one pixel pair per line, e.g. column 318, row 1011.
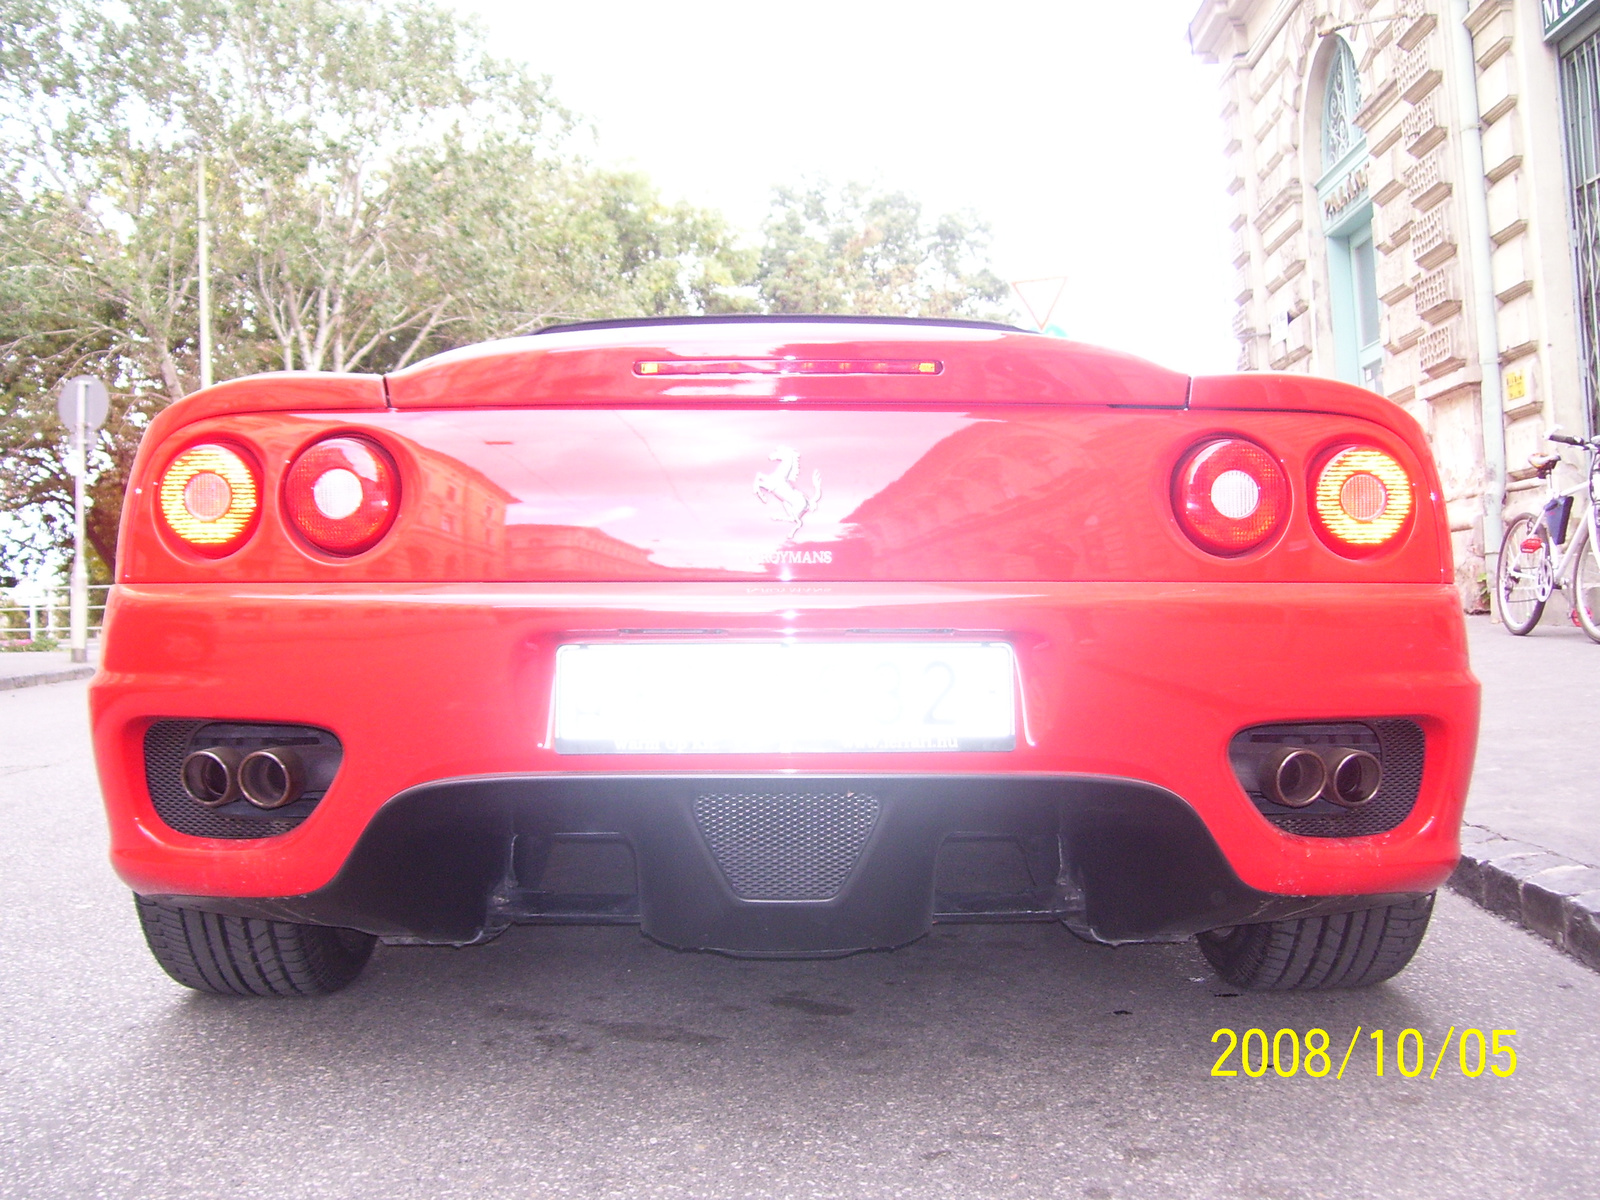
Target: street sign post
column 82, row 407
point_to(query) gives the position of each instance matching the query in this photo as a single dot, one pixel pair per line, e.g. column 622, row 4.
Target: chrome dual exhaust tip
column 272, row 777
column 1354, row 777
column 268, row 778
column 1294, row 776
column 211, row 777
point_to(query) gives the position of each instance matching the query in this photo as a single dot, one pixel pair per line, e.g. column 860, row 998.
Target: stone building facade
column 1413, row 182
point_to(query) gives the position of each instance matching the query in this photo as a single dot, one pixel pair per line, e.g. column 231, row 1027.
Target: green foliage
column 381, row 189
column 864, row 252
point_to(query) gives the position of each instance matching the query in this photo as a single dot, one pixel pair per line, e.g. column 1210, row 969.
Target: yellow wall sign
column 1516, row 385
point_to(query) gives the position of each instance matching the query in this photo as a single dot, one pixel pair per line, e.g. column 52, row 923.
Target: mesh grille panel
column 1398, row 745
column 786, row 845
column 167, row 743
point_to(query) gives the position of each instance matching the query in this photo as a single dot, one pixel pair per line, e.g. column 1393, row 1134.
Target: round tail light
column 210, row 498
column 1363, row 499
column 1229, row 495
column 341, row 494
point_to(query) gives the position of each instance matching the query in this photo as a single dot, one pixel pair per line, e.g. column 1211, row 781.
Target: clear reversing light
column 341, row 494
column 789, row 366
column 1363, row 498
column 1229, row 495
column 209, row 497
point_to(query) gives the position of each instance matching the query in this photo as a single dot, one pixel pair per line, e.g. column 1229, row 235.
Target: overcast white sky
column 1082, row 131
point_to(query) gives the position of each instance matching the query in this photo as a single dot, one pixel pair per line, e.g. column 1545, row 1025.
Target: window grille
column 1341, row 97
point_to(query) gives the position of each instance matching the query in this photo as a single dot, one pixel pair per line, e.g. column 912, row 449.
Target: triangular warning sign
column 1040, row 297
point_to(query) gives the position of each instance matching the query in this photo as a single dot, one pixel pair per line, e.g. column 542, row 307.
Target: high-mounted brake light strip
column 788, row 366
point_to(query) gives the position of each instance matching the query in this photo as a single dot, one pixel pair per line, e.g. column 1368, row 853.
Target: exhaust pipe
column 211, row 776
column 1354, row 777
column 272, row 777
column 1293, row 776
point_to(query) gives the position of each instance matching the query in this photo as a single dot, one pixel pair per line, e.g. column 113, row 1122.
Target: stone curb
column 8, row 682
column 1556, row 897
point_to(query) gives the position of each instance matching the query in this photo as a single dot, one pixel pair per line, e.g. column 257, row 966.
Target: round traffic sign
column 94, row 397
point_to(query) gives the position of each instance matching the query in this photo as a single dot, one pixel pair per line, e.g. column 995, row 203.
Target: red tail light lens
column 341, row 494
column 1363, row 500
column 210, row 498
column 1229, row 495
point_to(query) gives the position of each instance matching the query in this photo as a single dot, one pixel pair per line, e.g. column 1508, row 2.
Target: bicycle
column 1536, row 557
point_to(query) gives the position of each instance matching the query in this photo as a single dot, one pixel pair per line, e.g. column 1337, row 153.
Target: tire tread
column 248, row 956
column 1341, row 950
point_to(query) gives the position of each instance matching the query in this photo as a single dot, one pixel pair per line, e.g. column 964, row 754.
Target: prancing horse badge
column 781, row 485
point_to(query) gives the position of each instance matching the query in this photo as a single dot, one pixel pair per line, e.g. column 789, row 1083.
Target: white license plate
column 784, row 697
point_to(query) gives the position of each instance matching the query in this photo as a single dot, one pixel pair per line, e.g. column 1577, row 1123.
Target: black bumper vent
column 786, row 845
column 1398, row 745
column 168, row 743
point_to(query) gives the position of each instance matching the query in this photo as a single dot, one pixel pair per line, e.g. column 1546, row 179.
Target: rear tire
column 245, row 956
column 1586, row 586
column 1516, row 582
column 1345, row 950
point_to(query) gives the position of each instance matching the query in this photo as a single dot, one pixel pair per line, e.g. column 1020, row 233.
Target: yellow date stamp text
column 1287, row 1053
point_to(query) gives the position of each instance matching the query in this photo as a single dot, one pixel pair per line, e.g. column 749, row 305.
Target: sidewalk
column 27, row 668
column 1531, row 846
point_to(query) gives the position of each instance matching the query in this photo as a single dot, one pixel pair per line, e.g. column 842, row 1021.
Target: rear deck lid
column 822, row 361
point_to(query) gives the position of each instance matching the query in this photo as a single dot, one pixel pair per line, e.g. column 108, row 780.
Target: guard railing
column 40, row 620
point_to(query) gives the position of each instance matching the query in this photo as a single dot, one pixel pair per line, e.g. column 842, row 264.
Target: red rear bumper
column 1136, row 682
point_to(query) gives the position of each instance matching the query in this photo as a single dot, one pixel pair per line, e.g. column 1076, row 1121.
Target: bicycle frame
column 1560, row 567
column 1538, row 556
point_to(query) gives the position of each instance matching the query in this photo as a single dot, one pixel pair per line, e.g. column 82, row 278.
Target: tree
column 859, row 251
column 382, row 189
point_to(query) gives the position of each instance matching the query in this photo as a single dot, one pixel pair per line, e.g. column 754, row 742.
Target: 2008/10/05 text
column 1287, row 1054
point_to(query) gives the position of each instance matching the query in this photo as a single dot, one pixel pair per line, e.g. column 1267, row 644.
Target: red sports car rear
column 783, row 637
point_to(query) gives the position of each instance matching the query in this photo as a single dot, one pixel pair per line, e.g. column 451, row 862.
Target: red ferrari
column 788, row 637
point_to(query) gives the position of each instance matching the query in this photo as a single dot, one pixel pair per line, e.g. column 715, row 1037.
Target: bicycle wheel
column 1586, row 585
column 1517, row 580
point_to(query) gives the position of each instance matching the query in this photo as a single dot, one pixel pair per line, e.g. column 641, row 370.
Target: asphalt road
column 983, row 1061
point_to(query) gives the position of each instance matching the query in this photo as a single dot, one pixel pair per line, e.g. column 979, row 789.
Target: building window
column 1341, row 97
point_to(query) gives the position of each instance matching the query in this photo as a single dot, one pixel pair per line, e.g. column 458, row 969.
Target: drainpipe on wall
column 1475, row 193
